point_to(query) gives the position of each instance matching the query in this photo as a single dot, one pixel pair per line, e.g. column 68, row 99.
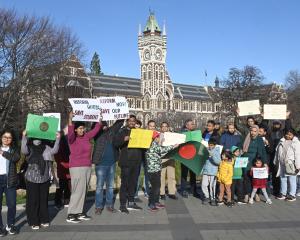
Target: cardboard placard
column 275, row 111
column 114, row 108
column 249, row 108
column 171, row 138
column 241, row 162
column 260, row 173
column 85, row 109
column 140, row 138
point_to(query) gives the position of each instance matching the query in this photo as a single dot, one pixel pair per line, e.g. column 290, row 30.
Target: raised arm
column 24, row 148
column 92, row 133
column 55, row 148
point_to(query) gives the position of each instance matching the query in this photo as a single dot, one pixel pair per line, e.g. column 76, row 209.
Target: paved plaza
column 182, row 219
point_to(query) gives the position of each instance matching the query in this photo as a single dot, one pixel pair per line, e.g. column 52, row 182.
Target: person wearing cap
column 153, row 158
column 104, row 158
column 237, row 178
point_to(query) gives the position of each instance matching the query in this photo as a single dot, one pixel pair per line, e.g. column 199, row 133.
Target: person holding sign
column 188, row 126
column 287, row 159
column 39, row 156
column 153, row 158
column 104, row 158
column 9, row 156
column 237, row 179
column 168, row 168
column 129, row 161
column 243, row 129
column 80, row 166
column 259, row 182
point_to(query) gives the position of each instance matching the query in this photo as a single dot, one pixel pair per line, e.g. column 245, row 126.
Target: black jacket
column 128, row 156
column 13, row 156
column 104, row 137
column 214, row 135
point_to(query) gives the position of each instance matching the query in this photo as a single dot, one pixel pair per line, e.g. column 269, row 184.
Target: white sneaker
column 251, row 200
column 45, row 225
column 298, row 194
column 35, row 227
column 269, row 201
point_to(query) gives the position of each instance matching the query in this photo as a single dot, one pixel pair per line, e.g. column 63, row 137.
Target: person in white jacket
column 287, row 158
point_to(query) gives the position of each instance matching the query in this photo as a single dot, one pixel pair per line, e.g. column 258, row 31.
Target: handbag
column 290, row 167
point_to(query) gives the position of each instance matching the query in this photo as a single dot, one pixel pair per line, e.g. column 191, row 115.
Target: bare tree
column 31, row 50
column 292, row 82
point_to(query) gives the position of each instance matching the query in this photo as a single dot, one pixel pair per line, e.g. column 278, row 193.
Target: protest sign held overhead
column 113, row 108
column 41, row 127
column 85, row 109
column 249, row 108
column 56, row 115
column 140, row 138
column 275, row 111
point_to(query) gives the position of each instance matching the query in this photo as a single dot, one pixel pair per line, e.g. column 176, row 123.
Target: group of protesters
column 272, row 145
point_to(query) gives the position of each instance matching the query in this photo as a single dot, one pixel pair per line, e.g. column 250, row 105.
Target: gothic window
column 73, row 71
column 218, row 108
column 192, row 106
column 176, row 105
column 199, row 106
column 146, row 103
column 130, row 102
column 156, row 72
column 204, row 107
column 149, row 72
column 209, row 107
column 160, row 101
column 138, row 104
column 185, row 106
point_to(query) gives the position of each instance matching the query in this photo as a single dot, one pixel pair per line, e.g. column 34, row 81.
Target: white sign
column 56, row 115
column 260, row 173
column 113, row 108
column 85, row 109
column 275, row 111
column 171, row 138
column 249, row 108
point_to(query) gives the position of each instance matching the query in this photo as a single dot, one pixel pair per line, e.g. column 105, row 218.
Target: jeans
column 292, row 185
column 237, row 188
column 298, row 184
column 155, row 188
column 209, row 186
column 11, row 197
column 146, row 179
column 105, row 174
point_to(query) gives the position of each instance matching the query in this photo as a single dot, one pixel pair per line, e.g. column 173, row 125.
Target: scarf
column 36, row 156
column 248, row 140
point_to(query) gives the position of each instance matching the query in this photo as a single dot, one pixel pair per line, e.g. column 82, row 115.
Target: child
column 237, row 179
column 259, row 183
column 225, row 177
column 210, row 171
column 153, row 158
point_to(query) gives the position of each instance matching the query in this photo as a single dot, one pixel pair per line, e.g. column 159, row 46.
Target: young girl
column 153, row 158
column 225, row 177
column 259, row 183
column 9, row 156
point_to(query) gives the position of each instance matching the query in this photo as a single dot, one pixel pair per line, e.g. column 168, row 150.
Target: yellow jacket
column 225, row 172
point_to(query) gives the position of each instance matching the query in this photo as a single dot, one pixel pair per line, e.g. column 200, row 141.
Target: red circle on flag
column 187, row 152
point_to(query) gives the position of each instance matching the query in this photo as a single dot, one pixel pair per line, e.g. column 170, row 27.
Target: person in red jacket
column 259, row 183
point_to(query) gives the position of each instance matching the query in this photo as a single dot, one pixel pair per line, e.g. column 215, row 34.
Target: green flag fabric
column 192, row 154
column 41, row 127
column 193, row 136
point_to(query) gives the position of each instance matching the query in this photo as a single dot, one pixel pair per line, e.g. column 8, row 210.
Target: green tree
column 95, row 65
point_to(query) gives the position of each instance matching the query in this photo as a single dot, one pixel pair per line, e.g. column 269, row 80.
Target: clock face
column 158, row 55
column 147, row 55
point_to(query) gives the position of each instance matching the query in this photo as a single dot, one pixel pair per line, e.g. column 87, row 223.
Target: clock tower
column 152, row 43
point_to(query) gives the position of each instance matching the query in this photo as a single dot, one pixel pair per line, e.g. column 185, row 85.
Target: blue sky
column 211, row 35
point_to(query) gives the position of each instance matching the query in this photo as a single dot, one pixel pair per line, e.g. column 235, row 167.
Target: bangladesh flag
column 192, row 154
column 41, row 127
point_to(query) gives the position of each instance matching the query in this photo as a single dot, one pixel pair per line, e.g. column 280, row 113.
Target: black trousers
column 275, row 180
column 63, row 192
column 237, row 188
column 37, row 203
column 247, row 182
column 128, row 183
column 184, row 182
column 154, row 179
